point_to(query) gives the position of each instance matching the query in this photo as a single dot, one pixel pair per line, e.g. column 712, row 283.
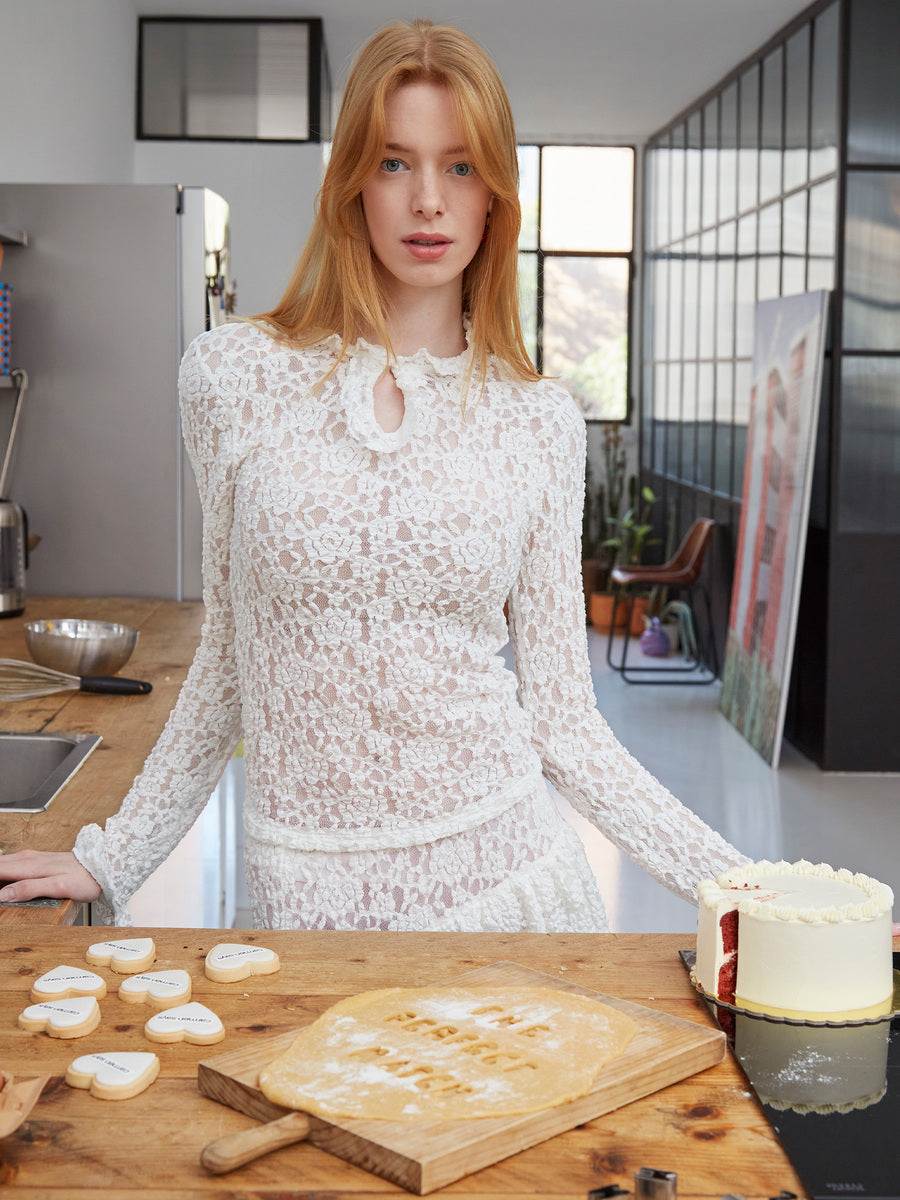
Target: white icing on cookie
column 123, row 956
column 162, row 989
column 62, row 1018
column 115, row 1074
column 63, row 981
column 188, row 1023
column 230, row 961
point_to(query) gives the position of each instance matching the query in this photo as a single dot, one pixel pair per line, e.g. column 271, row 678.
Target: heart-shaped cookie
column 160, row 989
column 114, row 1075
column 229, row 961
column 62, row 1018
column 188, row 1023
column 125, row 956
column 63, row 982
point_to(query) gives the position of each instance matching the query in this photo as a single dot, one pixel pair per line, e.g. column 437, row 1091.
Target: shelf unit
column 11, row 237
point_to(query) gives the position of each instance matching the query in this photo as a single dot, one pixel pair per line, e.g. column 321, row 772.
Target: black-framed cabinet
column 786, row 178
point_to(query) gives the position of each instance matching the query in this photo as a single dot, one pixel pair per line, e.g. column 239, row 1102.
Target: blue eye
column 391, row 165
column 463, row 169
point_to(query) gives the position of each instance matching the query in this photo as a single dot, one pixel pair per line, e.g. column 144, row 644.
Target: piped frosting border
column 880, row 901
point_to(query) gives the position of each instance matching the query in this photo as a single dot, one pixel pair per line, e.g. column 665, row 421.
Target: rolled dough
column 452, row 1053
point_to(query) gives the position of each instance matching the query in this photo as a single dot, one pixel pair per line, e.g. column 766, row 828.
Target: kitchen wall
column 68, row 71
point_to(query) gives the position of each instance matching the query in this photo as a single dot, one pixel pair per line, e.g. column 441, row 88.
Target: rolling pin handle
column 236, row 1149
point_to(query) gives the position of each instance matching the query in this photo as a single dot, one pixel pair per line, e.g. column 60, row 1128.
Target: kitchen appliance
column 423, row 1156
column 113, row 283
column 13, row 522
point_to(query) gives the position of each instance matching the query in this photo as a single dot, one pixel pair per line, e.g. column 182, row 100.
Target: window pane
column 586, row 331
column 724, row 398
column 770, row 229
column 529, row 170
column 873, row 134
column 692, row 176
column 794, row 233
column 661, row 308
column 748, row 155
column 527, row 286
column 768, row 278
column 688, row 423
column 586, row 198
column 676, row 210
column 661, row 195
column 691, row 299
column 676, row 291
column 796, row 110
column 823, row 149
column 710, row 163
column 869, row 482
column 728, row 153
column 772, row 109
column 746, row 307
column 705, row 426
column 225, row 80
column 725, row 307
column 707, row 303
column 872, row 261
column 822, row 229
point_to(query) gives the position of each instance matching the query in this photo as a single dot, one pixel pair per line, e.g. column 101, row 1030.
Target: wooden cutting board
column 424, row 1155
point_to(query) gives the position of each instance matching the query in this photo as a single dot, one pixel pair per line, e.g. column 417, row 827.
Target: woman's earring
column 487, row 225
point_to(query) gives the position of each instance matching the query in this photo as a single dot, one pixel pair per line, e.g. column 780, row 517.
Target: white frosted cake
column 794, row 939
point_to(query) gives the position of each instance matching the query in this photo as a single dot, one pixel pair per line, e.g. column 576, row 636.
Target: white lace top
column 354, row 583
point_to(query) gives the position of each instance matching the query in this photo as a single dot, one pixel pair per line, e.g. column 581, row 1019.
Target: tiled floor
column 678, row 733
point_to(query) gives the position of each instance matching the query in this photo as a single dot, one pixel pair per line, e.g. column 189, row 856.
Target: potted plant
column 602, row 504
column 627, row 538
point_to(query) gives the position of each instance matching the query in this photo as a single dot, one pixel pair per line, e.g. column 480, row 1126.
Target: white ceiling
column 590, row 70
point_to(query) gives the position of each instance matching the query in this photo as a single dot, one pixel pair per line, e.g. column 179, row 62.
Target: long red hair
column 335, row 287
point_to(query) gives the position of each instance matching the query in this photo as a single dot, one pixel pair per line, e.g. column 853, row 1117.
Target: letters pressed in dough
column 447, row 1053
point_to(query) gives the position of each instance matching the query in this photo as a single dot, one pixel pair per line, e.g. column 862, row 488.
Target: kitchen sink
column 35, row 766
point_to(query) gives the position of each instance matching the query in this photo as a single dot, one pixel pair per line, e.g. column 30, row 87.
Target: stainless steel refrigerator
column 113, row 283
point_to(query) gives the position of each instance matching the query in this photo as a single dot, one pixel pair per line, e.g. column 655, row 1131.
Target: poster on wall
column 786, row 383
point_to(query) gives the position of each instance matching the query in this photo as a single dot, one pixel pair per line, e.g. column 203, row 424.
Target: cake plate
column 689, row 958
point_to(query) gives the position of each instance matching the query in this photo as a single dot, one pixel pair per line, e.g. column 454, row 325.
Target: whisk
column 26, row 681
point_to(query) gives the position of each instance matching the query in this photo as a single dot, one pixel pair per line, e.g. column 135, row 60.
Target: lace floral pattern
column 354, row 583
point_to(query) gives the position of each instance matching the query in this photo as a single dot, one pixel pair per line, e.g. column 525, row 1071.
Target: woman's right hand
column 34, row 873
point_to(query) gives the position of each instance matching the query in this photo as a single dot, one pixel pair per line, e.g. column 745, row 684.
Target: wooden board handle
column 236, row 1149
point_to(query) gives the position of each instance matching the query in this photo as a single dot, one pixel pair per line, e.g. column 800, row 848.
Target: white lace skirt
column 523, row 871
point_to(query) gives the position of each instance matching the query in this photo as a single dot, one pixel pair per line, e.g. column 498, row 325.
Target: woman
column 382, row 470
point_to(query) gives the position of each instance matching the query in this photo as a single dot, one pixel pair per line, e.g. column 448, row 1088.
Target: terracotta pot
column 638, row 615
column 601, row 609
column 594, row 574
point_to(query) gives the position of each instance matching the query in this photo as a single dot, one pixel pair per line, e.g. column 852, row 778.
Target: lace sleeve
column 578, row 750
column 205, row 724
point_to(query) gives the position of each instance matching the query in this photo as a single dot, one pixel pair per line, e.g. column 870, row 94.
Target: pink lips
column 427, row 247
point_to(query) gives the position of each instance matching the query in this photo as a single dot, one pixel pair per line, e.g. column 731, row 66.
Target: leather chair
column 681, row 573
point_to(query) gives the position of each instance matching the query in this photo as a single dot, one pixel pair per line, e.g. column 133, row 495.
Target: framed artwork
column 786, row 384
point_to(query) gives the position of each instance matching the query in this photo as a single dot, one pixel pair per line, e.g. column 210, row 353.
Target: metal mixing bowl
column 80, row 647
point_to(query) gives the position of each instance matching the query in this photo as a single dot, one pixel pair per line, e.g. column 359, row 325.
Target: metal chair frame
column 681, row 572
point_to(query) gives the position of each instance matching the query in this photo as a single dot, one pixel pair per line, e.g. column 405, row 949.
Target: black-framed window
column 740, row 206
column 576, row 268
column 233, row 79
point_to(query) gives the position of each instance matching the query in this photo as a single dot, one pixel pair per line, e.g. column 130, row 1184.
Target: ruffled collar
column 364, row 363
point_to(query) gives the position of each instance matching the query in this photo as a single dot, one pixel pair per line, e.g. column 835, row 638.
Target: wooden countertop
column 129, row 725
column 707, row 1128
